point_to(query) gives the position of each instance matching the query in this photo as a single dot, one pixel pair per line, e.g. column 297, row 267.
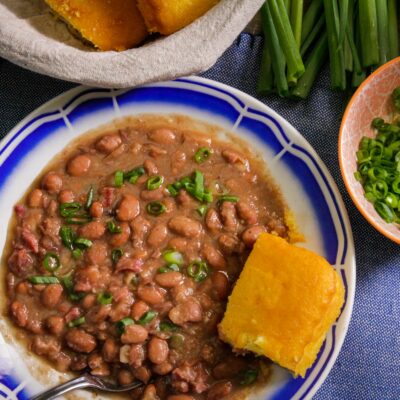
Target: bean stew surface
column 123, row 253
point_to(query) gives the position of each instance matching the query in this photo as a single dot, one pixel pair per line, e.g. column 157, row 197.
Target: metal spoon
column 85, row 381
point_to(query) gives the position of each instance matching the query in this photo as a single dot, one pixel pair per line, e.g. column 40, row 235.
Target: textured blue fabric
column 368, row 366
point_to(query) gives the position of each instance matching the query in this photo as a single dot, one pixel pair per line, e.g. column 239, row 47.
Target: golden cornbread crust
column 107, row 24
column 168, row 16
column 283, row 304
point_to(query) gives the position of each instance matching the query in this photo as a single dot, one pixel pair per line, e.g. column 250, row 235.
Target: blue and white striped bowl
column 305, row 183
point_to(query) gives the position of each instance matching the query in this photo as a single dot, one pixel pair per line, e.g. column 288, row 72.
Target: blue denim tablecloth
column 368, row 366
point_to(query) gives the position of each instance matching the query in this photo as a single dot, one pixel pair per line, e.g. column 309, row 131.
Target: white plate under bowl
column 32, row 38
column 305, row 182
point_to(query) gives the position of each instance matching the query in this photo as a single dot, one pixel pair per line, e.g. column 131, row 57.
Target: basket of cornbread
column 120, row 43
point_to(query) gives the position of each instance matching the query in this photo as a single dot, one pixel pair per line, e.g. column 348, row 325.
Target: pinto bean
column 213, row 256
column 157, row 235
column 46, row 345
column 52, row 182
column 277, row 226
column 150, row 294
column 97, row 254
column 87, row 278
column 152, row 195
column 140, row 226
column 247, row 213
column 163, row 368
column 35, row 199
column 98, row 313
column 155, row 151
column 92, row 230
column 79, row 165
column 150, row 393
column 236, row 159
column 178, row 160
column 150, row 167
column 128, row 208
column 219, row 390
column 110, row 350
column 162, row 136
column 98, row 366
column 119, row 239
column 228, row 214
column 250, row 235
column 136, row 357
column 169, row 279
column 66, row 196
column 138, row 309
column 230, row 244
column 23, row 287
column 134, row 334
column 80, row 341
column 51, row 295
column 88, row 301
column 55, row 324
column 96, row 209
column 157, row 350
column 221, row 285
column 108, row 143
column 187, row 311
column 125, row 377
column 213, row 222
column 180, row 397
column 185, row 226
column 19, row 313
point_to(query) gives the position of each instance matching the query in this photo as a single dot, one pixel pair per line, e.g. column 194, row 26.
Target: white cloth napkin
column 32, row 38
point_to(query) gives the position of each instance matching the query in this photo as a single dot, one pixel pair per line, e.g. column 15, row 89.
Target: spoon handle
column 77, row 383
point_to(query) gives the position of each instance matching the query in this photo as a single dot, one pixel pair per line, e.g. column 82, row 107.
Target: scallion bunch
column 356, row 36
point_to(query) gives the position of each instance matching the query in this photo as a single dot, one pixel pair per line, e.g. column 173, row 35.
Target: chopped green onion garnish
column 155, row 208
column 118, row 178
column 172, row 190
column 202, row 154
column 51, row 262
column 122, row 324
column 167, row 326
column 133, row 175
column 43, row 280
column 201, row 209
column 384, row 211
column 76, row 322
column 90, row 197
column 173, row 257
column 69, row 209
column 168, row 268
column 68, row 283
column 248, row 377
column 207, row 196
column 78, row 220
column 104, row 298
column 113, row 227
column 116, row 254
column 147, row 317
column 83, row 243
column 227, row 197
column 198, row 270
column 154, row 182
column 77, row 253
column 67, row 236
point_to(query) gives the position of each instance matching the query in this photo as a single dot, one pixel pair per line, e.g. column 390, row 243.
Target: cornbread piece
column 108, row 24
column 283, row 304
column 168, row 16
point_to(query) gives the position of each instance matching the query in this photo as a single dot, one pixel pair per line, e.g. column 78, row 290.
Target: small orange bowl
column 372, row 99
